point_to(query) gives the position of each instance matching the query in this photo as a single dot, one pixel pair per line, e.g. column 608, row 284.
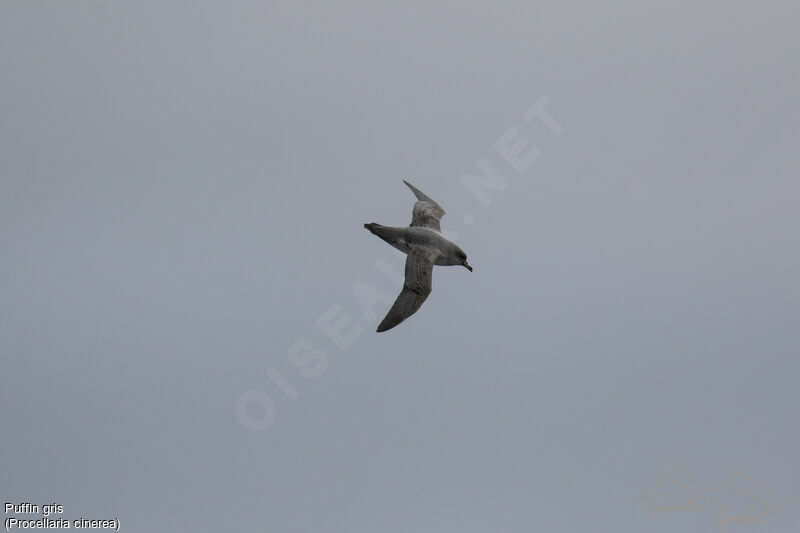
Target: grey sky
column 182, row 192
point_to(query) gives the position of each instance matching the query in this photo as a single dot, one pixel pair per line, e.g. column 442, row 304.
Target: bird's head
column 463, row 257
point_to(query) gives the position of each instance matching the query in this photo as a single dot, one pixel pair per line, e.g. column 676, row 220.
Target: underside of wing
column 427, row 213
column 417, row 287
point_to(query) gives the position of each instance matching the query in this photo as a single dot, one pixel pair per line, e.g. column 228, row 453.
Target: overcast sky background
column 182, row 192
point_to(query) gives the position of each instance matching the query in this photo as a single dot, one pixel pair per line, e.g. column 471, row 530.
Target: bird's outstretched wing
column 427, row 213
column 419, row 271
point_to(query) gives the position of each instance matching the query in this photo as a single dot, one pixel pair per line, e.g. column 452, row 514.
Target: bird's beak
column 467, row 266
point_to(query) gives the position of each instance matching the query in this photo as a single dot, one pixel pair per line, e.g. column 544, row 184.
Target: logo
column 740, row 500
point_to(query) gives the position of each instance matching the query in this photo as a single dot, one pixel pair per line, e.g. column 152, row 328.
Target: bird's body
column 426, row 246
column 406, row 239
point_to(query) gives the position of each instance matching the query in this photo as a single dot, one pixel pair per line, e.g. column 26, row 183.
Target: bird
column 425, row 246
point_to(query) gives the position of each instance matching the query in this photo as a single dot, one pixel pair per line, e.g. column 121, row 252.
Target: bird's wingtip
column 419, row 194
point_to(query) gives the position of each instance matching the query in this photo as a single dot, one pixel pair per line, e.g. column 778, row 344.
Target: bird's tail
column 387, row 233
column 384, row 232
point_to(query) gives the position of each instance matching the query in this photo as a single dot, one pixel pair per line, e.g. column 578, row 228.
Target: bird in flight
column 425, row 246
